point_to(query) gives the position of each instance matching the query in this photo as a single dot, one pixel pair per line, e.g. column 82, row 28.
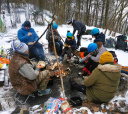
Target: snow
column 62, row 29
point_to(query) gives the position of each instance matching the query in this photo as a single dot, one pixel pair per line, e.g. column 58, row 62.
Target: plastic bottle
column 2, row 50
column 6, row 81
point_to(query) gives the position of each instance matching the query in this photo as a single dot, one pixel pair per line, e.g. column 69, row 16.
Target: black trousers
column 91, row 65
column 80, row 88
column 79, row 38
column 67, row 51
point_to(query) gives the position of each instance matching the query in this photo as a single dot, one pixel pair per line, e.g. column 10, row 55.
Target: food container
column 42, row 63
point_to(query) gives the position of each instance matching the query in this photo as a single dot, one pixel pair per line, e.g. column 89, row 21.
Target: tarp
column 2, row 27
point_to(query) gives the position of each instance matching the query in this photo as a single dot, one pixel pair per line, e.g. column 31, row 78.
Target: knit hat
column 69, row 35
column 106, row 57
column 27, row 24
column 19, row 46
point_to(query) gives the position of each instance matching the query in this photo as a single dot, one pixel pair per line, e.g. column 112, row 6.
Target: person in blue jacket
column 70, row 42
column 77, row 25
column 28, row 35
column 99, row 37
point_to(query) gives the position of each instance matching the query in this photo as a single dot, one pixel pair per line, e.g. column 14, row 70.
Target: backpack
column 110, row 43
column 114, row 56
column 121, row 42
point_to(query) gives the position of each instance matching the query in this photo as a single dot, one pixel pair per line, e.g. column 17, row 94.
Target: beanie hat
column 69, row 35
column 27, row 24
column 106, row 57
column 19, row 46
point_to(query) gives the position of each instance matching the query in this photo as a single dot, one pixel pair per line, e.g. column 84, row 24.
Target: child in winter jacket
column 95, row 50
column 57, row 39
column 70, row 44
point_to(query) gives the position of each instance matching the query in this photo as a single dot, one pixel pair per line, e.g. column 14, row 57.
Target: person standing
column 28, row 35
column 77, row 25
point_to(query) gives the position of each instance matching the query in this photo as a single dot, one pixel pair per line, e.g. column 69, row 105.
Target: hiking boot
column 44, row 92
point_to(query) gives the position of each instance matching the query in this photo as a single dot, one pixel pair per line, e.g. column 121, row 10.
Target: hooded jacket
column 78, row 26
column 23, row 35
column 100, row 38
column 103, row 83
column 72, row 43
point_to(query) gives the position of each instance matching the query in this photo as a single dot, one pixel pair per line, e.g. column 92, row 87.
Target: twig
column 41, row 35
column 125, row 75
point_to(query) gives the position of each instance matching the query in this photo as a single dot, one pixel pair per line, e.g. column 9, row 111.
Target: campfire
column 63, row 70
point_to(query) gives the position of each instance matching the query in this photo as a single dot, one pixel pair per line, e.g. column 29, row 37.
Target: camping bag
column 121, row 42
column 110, row 43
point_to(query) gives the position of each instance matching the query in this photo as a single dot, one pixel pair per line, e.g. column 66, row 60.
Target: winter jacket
column 22, row 85
column 103, row 82
column 100, row 38
column 23, row 35
column 49, row 36
column 78, row 26
column 72, row 43
column 97, row 58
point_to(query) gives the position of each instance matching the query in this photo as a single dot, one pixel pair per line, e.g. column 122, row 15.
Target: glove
column 65, row 45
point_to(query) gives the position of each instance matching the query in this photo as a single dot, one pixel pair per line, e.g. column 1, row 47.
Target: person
column 25, row 77
column 58, row 42
column 99, row 37
column 70, row 44
column 102, row 84
column 77, row 25
column 28, row 35
column 95, row 50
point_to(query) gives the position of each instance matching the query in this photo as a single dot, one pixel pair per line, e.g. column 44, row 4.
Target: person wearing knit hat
column 101, row 85
column 24, row 76
column 70, row 44
column 28, row 35
column 106, row 57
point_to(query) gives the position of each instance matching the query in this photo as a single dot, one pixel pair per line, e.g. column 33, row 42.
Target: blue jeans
column 59, row 46
column 37, row 52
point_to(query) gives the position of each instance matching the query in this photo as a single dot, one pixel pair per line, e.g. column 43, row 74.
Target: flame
column 62, row 71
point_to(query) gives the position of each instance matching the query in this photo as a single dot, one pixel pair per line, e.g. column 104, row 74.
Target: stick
column 64, row 41
column 41, row 35
column 58, row 64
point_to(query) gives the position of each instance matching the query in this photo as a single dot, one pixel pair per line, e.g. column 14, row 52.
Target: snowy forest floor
column 118, row 107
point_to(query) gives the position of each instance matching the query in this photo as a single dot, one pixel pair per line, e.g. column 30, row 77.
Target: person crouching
column 24, row 76
column 102, row 84
column 70, row 44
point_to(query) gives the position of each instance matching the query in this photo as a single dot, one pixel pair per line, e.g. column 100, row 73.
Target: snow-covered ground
column 62, row 29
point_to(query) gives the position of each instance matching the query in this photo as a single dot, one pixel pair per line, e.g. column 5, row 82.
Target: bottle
column 2, row 50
